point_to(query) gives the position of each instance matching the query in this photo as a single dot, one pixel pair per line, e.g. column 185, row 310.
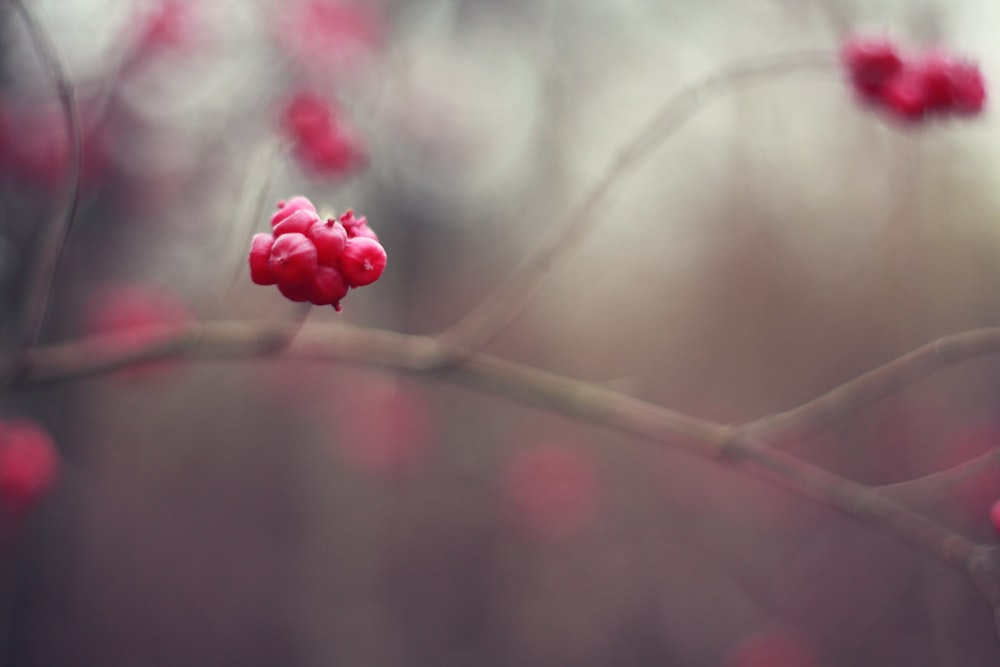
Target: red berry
column 286, row 208
column 330, row 153
column 952, row 85
column 356, row 226
column 298, row 222
column 330, row 238
column 362, row 261
column 995, row 516
column 293, row 260
column 328, row 288
column 297, row 293
column 260, row 258
column 871, row 63
column 968, row 91
column 29, row 463
column 306, row 115
column 906, row 96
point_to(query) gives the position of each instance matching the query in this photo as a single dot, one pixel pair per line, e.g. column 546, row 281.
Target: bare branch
column 865, row 389
column 929, row 488
column 582, row 400
column 44, row 270
column 495, row 312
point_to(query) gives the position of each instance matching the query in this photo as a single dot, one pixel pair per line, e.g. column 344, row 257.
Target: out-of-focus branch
column 929, row 488
column 737, row 446
column 45, row 268
column 878, row 383
column 496, row 311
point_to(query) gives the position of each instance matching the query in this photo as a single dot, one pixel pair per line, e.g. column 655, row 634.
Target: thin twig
column 878, row 383
column 43, row 273
column 496, row 311
column 929, row 488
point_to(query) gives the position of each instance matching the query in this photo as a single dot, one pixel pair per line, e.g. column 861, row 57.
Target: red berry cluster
column 316, row 260
column 29, row 464
column 913, row 87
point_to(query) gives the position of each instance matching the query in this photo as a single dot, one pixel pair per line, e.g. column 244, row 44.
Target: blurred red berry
column 362, row 261
column 913, row 88
column 126, row 318
column 293, row 260
column 29, row 464
column 871, row 63
column 382, row 427
column 772, row 649
column 325, row 143
column 328, row 35
column 974, row 496
column 995, row 516
column 906, row 96
column 551, row 491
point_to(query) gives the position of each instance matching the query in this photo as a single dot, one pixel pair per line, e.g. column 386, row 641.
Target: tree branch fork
column 749, row 447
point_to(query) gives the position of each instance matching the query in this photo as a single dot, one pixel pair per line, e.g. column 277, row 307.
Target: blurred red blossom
column 29, row 464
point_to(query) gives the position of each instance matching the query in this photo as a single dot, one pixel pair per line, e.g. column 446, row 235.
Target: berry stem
column 497, row 310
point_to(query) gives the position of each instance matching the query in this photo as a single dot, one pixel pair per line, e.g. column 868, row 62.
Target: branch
column 496, row 311
column 575, row 398
column 868, row 388
column 39, row 290
column 927, row 489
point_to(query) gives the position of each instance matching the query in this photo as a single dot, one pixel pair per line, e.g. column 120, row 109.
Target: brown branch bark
column 738, row 446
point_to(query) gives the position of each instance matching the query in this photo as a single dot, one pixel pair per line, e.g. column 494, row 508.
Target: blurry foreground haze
column 260, row 513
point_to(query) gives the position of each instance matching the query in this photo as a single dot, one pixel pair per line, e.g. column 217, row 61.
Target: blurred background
column 274, row 513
